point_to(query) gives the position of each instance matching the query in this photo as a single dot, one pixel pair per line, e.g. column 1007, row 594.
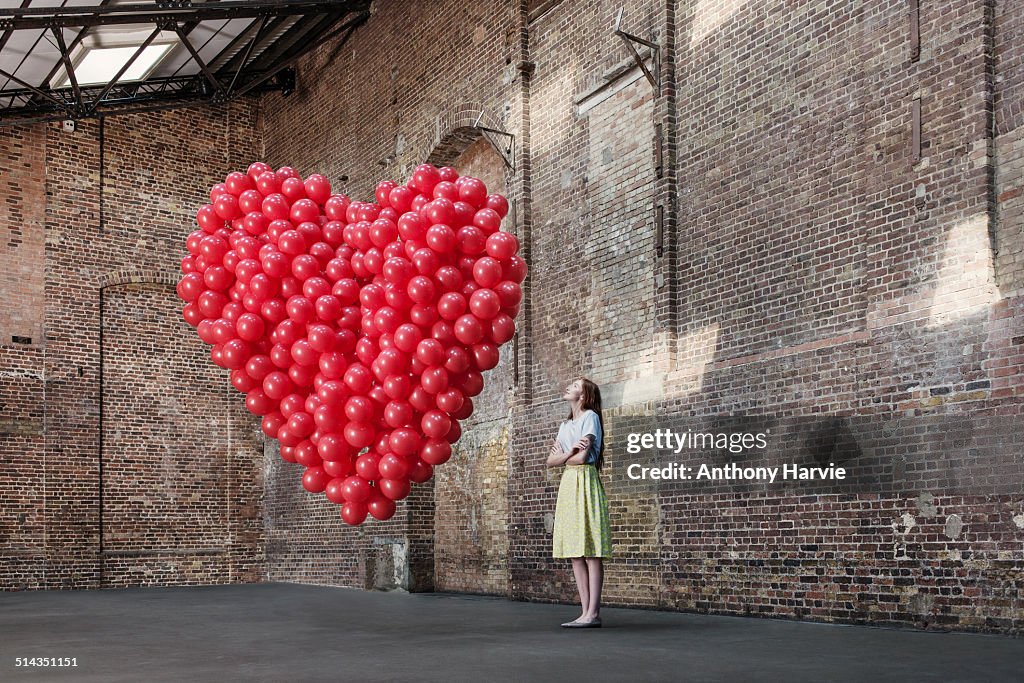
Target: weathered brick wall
column 471, row 489
column 21, row 235
column 1008, row 112
column 123, row 461
column 809, row 265
column 820, row 270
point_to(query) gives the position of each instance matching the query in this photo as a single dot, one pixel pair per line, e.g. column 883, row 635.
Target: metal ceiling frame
column 246, row 70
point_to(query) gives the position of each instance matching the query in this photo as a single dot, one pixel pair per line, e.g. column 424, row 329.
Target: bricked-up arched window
column 471, row 546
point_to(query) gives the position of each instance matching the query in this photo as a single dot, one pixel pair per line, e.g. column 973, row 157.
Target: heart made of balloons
column 359, row 331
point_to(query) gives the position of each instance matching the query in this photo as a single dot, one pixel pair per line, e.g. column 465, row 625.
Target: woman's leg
column 579, row 568
column 596, row 574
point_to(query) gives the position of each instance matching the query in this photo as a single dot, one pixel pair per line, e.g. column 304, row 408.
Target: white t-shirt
column 571, row 431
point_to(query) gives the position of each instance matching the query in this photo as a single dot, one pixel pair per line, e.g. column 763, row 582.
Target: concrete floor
column 287, row 632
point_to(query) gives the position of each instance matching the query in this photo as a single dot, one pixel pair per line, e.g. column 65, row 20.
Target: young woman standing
column 582, row 530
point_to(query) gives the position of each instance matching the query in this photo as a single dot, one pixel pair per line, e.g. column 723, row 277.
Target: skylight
column 105, row 51
column 99, row 65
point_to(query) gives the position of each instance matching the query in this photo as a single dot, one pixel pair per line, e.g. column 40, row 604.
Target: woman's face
column 573, row 391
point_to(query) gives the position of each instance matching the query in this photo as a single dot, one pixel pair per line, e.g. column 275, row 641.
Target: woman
column 582, row 530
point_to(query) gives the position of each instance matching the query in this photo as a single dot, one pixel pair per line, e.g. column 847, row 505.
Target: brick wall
column 807, row 264
column 123, row 461
column 22, row 215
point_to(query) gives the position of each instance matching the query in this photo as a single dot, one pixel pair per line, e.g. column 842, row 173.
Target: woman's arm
column 556, row 456
column 580, row 451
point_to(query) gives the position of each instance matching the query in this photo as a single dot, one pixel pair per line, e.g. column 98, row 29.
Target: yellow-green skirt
column 581, row 528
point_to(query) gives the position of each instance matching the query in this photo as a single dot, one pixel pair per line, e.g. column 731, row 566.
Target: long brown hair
column 591, row 399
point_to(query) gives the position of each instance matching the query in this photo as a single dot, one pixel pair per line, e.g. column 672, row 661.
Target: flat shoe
column 569, row 624
column 596, row 623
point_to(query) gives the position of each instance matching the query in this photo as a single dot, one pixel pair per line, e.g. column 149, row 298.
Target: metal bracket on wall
column 629, row 39
column 506, row 152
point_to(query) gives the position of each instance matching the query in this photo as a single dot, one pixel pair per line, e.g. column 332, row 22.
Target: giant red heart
column 359, row 331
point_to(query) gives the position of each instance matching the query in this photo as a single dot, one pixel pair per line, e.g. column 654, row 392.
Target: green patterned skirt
column 581, row 528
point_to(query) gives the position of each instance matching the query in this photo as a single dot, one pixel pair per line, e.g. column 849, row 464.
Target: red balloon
column 456, row 359
column 336, row 207
column 421, row 400
column 268, row 183
column 421, row 289
column 472, row 240
column 315, row 479
column 451, row 401
column 397, row 386
column 436, row 451
column 359, row 409
column 393, row 466
column 395, row 489
column 226, row 206
column 398, row 413
column 356, row 489
column 237, row 183
column 485, row 304
column 449, row 278
column 442, row 238
column 431, row 352
column 426, row 261
column 434, row 380
column 473, row 191
column 242, row 381
column 487, row 271
column 419, row 472
column 425, row 177
column 301, row 424
column 404, row 441
column 359, row 435
column 400, row 198
column 333, row 490
column 235, row 354
column 381, row 507
column 250, row 327
column 509, row 292
column 193, row 316
column 498, row 204
column 293, row 189
column 277, row 385
column 454, row 433
column 271, row 424
column 317, row 188
column 367, row 466
column 435, row 424
column 441, row 211
column 472, row 383
column 487, row 220
column 464, row 411
column 354, row 513
column 503, row 328
column 447, row 190
column 340, row 469
column 468, row 329
column 333, row 447
column 502, row 245
column 191, row 286
column 451, row 305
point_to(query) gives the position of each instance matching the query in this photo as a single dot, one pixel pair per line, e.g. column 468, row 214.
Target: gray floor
column 286, row 632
